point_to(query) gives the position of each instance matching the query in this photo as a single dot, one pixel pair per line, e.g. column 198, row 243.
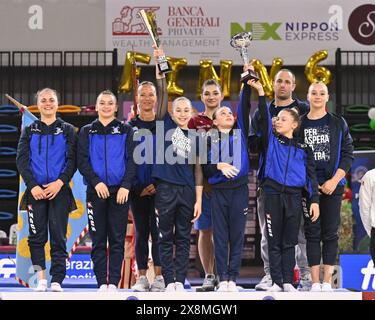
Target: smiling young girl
column 227, row 171
column 105, row 160
column 329, row 137
column 46, row 160
column 289, row 168
column 179, row 185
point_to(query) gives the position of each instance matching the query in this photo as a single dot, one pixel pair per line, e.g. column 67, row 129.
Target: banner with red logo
column 288, row 29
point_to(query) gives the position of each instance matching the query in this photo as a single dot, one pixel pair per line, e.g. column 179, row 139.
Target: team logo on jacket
column 35, row 129
column 58, row 131
column 116, row 130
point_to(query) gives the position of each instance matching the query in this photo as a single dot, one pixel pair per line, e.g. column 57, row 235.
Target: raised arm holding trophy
column 152, row 28
column 240, row 42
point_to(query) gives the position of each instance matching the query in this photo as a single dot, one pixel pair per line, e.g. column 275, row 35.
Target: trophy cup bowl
column 149, row 21
column 240, row 42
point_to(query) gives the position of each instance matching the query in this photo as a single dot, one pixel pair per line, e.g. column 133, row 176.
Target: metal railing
column 5, row 74
column 78, row 76
column 355, row 78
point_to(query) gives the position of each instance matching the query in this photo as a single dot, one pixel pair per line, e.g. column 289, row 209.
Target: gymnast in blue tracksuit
column 227, row 171
column 179, row 181
column 289, row 168
column 105, row 159
column 46, row 160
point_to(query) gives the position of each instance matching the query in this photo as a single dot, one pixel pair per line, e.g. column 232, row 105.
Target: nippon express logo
column 289, row 31
column 361, row 24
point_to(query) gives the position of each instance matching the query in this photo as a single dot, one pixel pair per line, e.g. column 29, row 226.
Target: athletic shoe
column 209, row 282
column 265, row 283
column 232, row 286
column 316, row 287
column 305, row 282
column 326, row 287
column 170, row 287
column 179, row 287
column 274, row 288
column 158, row 285
column 223, row 286
column 142, row 285
column 56, row 287
column 42, row 286
column 112, row 288
column 288, row 287
column 103, row 288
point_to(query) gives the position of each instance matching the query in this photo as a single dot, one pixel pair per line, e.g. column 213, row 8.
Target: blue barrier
column 7, row 194
column 7, row 128
column 6, row 215
column 8, row 151
column 7, row 173
column 9, row 109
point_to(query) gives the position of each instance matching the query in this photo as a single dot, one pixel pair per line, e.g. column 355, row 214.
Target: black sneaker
column 209, row 283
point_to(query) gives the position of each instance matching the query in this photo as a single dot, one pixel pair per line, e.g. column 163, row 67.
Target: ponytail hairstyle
column 296, row 118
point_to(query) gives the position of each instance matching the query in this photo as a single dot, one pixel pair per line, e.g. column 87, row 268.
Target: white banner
column 289, row 29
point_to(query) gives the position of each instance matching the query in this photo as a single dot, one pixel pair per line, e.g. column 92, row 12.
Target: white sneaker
column 274, row 288
column 170, row 287
column 179, row 287
column 288, row 287
column 265, row 283
column 42, row 286
column 103, row 288
column 158, row 285
column 223, row 286
column 56, row 287
column 326, row 287
column 111, row 288
column 142, row 285
column 232, row 286
column 316, row 287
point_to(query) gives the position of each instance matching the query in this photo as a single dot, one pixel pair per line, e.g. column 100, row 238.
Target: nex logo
column 259, row 30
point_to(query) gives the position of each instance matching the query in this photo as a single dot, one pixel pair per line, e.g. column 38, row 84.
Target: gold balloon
column 313, row 72
column 265, row 78
column 176, row 64
column 225, row 76
column 126, row 83
column 277, row 64
column 207, row 71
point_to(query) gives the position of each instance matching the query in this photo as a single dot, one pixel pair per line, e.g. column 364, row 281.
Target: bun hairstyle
column 177, row 100
column 211, row 82
column 318, row 82
column 41, row 91
column 146, row 83
column 106, row 92
column 295, row 115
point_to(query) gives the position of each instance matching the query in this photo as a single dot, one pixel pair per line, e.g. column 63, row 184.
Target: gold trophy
column 149, row 20
column 240, row 42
